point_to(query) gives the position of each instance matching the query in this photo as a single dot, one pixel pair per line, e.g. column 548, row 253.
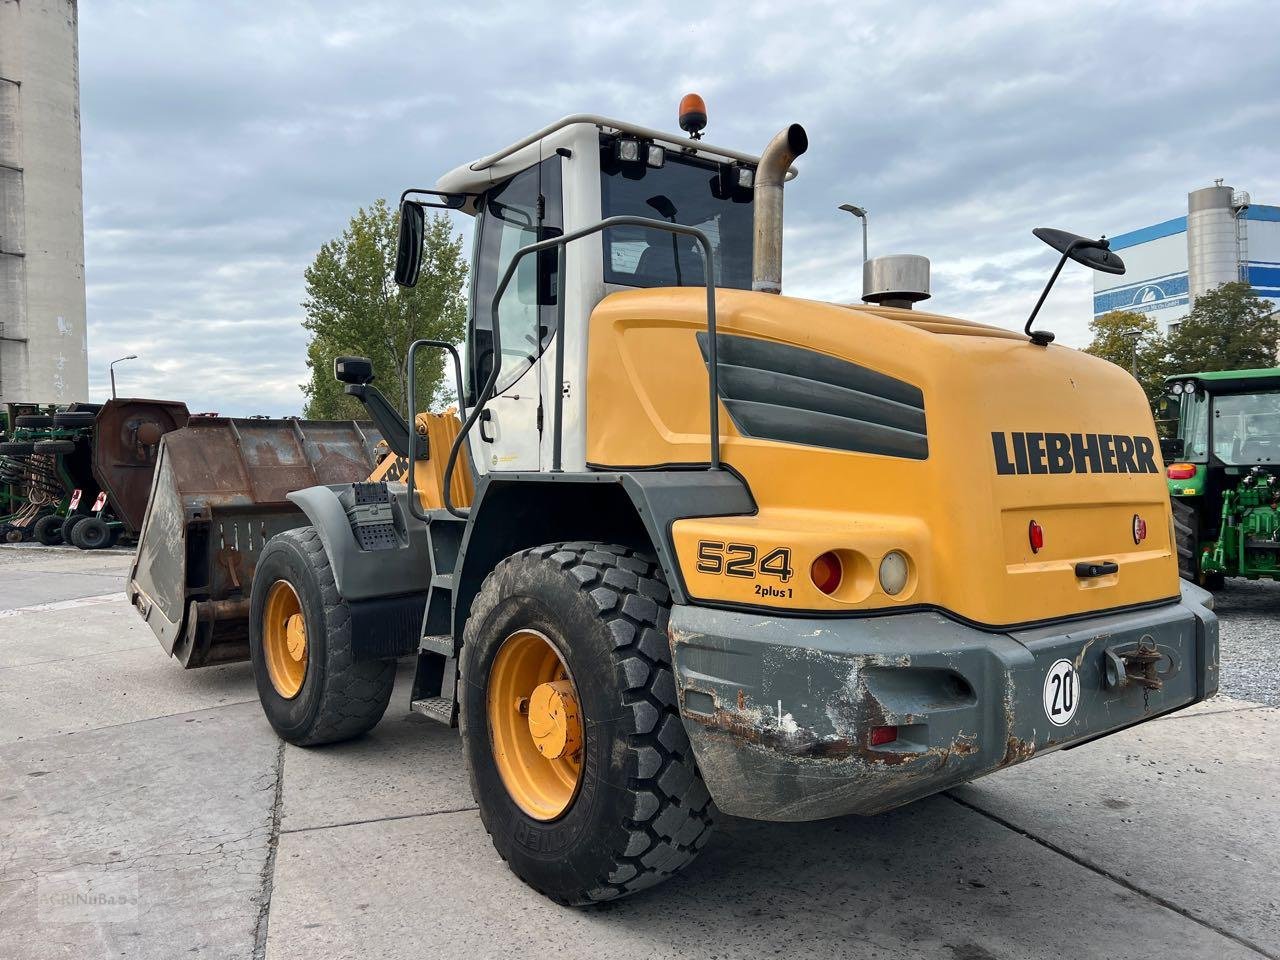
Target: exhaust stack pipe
column 771, row 174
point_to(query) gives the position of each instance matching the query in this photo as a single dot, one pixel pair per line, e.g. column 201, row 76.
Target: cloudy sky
column 224, row 142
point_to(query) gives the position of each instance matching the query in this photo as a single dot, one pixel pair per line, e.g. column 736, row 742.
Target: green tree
column 1131, row 339
column 1228, row 328
column 354, row 307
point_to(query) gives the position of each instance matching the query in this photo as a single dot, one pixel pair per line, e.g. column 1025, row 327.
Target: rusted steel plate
column 218, row 497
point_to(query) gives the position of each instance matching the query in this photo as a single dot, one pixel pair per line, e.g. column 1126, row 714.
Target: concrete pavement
column 149, row 812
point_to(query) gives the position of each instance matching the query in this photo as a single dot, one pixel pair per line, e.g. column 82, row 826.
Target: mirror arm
column 1043, row 338
column 395, row 430
column 447, row 201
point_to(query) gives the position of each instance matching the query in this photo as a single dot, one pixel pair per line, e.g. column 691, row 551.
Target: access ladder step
column 441, row 709
column 441, row 644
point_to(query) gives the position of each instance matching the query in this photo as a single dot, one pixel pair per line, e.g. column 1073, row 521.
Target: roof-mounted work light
column 627, row 150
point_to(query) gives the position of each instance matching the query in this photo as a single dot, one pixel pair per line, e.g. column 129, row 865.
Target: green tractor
column 1224, row 474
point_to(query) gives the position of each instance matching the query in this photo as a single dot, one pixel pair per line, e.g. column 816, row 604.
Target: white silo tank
column 1212, row 253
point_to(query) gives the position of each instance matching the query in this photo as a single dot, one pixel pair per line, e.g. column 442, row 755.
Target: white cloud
column 224, row 143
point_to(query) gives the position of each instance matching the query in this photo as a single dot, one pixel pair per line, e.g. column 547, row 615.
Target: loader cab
column 571, row 177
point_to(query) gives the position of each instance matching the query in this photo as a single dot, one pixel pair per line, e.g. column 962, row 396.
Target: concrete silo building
column 43, row 349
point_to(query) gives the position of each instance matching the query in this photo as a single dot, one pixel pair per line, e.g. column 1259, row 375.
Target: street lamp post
column 861, row 214
column 111, row 369
column 1133, row 336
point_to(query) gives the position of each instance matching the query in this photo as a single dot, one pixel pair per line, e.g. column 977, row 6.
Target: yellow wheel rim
column 284, row 639
column 535, row 725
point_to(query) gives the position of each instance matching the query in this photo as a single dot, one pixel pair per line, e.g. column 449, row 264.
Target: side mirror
column 1172, row 448
column 353, row 370
column 1093, row 254
column 413, row 226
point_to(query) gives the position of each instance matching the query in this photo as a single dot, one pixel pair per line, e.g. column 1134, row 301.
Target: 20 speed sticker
column 1061, row 692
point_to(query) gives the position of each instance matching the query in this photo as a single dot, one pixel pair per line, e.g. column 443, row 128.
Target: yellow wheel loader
column 698, row 546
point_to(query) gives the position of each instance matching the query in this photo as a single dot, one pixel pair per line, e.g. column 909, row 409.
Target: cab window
column 518, row 212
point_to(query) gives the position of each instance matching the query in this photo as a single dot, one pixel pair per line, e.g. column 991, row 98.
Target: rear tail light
column 894, row 573
column 882, row 735
column 1035, row 536
column 1139, row 529
column 827, row 572
column 1181, row 471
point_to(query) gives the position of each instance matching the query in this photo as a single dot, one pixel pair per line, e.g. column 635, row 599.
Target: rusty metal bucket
column 218, row 496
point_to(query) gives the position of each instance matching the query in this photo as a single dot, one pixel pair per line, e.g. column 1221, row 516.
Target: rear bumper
column 779, row 710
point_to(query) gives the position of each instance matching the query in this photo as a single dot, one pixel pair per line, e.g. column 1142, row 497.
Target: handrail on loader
column 414, row 507
column 708, row 273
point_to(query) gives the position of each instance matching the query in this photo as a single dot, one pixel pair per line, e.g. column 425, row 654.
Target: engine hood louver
column 775, row 391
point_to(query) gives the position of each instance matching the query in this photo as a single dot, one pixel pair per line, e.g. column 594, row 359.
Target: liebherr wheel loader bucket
column 218, row 496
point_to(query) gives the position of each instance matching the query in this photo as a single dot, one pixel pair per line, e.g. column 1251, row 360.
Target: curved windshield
column 1246, row 428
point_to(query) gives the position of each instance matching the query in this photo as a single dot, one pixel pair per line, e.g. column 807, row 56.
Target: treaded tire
column 74, row 419
column 48, row 530
column 33, row 420
column 69, row 525
column 17, row 448
column 340, row 699
column 1185, row 525
column 642, row 811
column 54, row 447
column 91, row 533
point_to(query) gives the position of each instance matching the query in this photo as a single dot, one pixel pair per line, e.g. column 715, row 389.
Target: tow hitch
column 1134, row 664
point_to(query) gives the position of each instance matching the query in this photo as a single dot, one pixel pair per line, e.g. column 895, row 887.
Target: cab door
column 520, row 211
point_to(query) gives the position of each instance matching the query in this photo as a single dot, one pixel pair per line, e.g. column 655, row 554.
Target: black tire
column 1186, row 523
column 69, row 525
column 91, row 533
column 54, row 446
column 75, row 419
column 14, row 534
column 33, row 420
column 48, row 530
column 17, row 448
column 340, row 699
column 646, row 813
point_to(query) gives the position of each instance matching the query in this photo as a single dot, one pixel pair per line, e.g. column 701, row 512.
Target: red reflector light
column 1035, row 535
column 882, row 735
column 1181, row 471
column 826, row 572
column 1139, row 529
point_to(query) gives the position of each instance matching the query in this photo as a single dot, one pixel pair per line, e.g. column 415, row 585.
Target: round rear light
column 894, row 572
column 826, row 572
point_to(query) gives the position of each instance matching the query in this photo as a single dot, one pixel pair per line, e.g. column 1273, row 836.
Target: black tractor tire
column 646, row 812
column 54, row 447
column 48, row 530
column 1186, row 523
column 75, row 420
column 69, row 525
column 14, row 534
column 33, row 420
column 340, row 698
column 17, row 448
column 92, row 533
